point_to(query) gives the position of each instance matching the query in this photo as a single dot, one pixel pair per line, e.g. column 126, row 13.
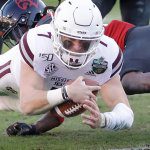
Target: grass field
column 73, row 135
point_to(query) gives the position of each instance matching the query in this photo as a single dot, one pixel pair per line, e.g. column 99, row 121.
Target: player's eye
column 67, row 44
column 86, row 45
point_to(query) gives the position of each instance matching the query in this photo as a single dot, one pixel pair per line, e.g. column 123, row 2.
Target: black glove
column 21, row 129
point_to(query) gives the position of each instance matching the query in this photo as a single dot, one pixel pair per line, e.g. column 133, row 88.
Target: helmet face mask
column 13, row 34
column 77, row 20
column 75, row 58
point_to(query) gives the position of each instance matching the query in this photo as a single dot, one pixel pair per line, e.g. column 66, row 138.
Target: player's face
column 74, row 45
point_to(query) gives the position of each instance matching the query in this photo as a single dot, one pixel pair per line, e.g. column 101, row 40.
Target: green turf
column 73, row 135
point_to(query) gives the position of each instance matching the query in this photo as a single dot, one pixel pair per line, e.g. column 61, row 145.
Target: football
column 70, row 108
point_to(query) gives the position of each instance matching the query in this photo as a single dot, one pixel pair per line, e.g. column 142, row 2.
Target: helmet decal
column 25, row 4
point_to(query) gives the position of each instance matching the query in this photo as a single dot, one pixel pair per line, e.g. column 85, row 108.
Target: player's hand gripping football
column 78, row 91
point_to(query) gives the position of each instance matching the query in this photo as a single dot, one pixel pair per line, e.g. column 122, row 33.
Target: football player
column 135, row 71
column 71, row 47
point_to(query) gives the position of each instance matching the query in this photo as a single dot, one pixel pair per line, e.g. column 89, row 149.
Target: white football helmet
column 80, row 20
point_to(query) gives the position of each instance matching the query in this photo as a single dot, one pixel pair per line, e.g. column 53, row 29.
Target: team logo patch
column 50, row 69
column 99, row 65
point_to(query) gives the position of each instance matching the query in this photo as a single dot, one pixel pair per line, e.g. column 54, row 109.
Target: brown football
column 70, row 108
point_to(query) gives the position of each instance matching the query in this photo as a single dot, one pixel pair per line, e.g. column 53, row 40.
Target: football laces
column 73, row 109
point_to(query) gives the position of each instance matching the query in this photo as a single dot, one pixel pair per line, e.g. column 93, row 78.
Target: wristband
column 54, row 97
column 64, row 93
